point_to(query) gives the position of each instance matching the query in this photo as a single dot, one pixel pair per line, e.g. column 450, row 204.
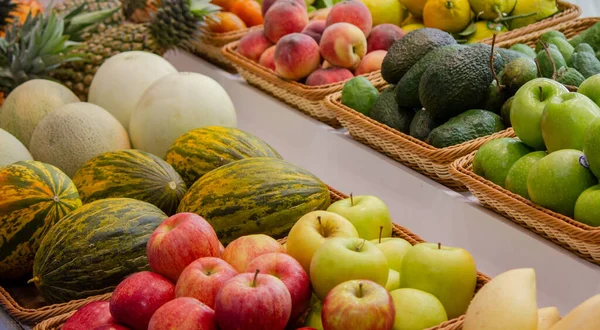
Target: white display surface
column 427, row 208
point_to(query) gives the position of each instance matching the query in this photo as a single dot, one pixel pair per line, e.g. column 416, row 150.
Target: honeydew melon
column 11, row 149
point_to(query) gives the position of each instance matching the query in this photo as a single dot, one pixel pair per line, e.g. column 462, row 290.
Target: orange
column 222, row 22
column 225, row 4
column 249, row 11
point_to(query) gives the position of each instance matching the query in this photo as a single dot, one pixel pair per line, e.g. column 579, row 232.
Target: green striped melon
column 133, row 174
column 33, row 197
column 92, row 249
column 203, row 149
column 260, row 195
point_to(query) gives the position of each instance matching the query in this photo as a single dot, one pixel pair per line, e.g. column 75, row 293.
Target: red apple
column 291, row 273
column 243, row 249
column 138, row 296
column 221, row 249
column 112, row 326
column 183, row 314
column 306, row 328
column 92, row 315
column 203, row 279
column 253, row 302
column 179, row 240
column 358, row 304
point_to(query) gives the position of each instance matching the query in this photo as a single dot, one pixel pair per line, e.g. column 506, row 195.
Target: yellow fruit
column 492, row 9
column 451, row 16
column 415, row 7
column 386, row 11
column 486, row 29
column 543, row 8
column 411, row 27
column 411, row 19
column 583, row 317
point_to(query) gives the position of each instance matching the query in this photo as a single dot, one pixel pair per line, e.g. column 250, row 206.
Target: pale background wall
column 589, row 8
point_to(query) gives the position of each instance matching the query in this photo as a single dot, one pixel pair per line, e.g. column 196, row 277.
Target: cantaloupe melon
column 74, row 133
column 121, row 80
column 29, row 103
column 11, row 149
column 176, row 104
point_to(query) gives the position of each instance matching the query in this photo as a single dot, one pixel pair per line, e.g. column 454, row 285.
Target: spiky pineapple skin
column 94, row 5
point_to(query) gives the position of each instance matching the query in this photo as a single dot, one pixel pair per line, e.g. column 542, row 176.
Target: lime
column 359, row 94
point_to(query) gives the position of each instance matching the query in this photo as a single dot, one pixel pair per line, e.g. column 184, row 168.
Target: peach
column 328, row 76
column 266, row 4
column 343, row 45
column 383, row 36
column 315, row 30
column 296, row 56
column 321, row 14
column 283, row 18
column 267, row 59
column 253, row 44
column 353, row 12
column 371, row 62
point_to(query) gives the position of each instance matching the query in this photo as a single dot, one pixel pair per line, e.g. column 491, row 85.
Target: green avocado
column 584, row 48
column 569, row 77
column 523, row 48
column 586, row 63
column 590, row 36
column 467, row 126
column 545, row 37
column 517, row 73
column 564, row 47
column 386, row 111
column 505, row 111
column 422, row 124
column 546, row 63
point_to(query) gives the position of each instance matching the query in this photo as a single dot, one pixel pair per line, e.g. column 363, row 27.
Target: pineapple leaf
column 78, row 24
column 201, row 8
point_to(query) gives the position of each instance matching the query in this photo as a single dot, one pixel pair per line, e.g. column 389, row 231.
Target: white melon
column 586, row 316
column 547, row 317
column 11, row 149
column 177, row 104
column 74, row 133
column 31, row 101
column 122, row 79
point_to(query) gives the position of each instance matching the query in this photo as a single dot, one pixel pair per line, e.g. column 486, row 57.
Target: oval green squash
column 33, row 197
column 130, row 174
column 255, row 196
column 203, row 149
column 92, row 249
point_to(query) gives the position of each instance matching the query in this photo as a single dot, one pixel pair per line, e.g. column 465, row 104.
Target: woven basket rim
column 225, row 37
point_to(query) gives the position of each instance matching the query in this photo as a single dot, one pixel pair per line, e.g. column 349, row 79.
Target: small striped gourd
column 260, row 195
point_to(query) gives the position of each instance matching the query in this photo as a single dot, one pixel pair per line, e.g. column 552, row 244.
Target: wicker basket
column 570, row 29
column 308, row 99
column 209, row 45
column 579, row 238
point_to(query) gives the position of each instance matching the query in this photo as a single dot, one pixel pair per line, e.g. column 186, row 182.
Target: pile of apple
column 339, row 269
column 295, row 48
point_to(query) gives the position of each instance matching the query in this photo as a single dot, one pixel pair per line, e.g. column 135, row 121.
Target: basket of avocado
column 547, row 179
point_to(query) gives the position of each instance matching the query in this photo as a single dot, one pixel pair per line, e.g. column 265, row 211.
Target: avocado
column 495, row 98
column 505, row 111
column 517, row 73
column 590, row 36
column 586, row 63
column 508, row 55
column 569, row 77
column 457, row 83
column 564, row 47
column 546, row 64
column 584, row 48
column 408, row 50
column 386, row 111
column 467, row 126
column 422, row 124
column 545, row 37
column 407, row 90
column 523, row 48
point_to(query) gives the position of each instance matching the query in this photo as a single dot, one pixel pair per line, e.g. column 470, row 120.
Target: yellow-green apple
column 203, row 279
column 296, row 56
column 527, row 108
column 358, row 304
column 253, row 44
column 111, row 326
column 328, row 76
column 243, row 249
column 416, row 310
column 313, row 319
column 591, row 88
column 266, row 4
column 311, row 230
column 343, row 45
column 383, row 36
column 342, row 259
column 137, row 297
column 371, row 62
column 591, row 146
column 315, row 29
column 393, row 281
column 267, row 59
column 291, row 273
column 495, row 158
column 284, row 17
column 449, row 273
column 367, row 213
column 179, row 240
column 565, row 120
column 547, row 317
column 90, row 316
column 353, row 12
column 183, row 314
column 516, row 178
column 394, row 249
column 253, row 301
column 583, row 317
column 508, row 301
column 586, row 207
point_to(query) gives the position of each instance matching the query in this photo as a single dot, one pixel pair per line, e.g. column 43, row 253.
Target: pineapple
column 89, row 6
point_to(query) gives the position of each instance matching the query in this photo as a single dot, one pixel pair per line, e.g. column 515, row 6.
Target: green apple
column 342, row 259
column 582, row 317
column 591, row 146
column 566, row 119
column 591, row 88
column 547, row 317
column 417, row 310
column 313, row 319
column 516, row 179
column 495, row 158
column 527, row 108
column 394, row 249
column 508, row 301
column 587, row 208
column 367, row 213
column 314, row 228
column 393, row 281
column 556, row 181
column 448, row 273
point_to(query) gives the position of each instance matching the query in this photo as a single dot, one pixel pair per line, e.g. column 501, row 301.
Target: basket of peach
column 300, row 60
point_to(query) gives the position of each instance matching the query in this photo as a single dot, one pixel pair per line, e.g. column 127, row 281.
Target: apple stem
column 351, row 200
column 321, row 226
column 360, row 245
column 380, row 233
column 541, row 93
column 255, row 277
column 500, row 87
column 537, row 64
column 551, row 60
column 360, row 290
column 439, row 245
column 571, row 88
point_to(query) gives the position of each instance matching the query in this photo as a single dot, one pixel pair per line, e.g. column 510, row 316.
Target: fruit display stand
column 209, row 45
